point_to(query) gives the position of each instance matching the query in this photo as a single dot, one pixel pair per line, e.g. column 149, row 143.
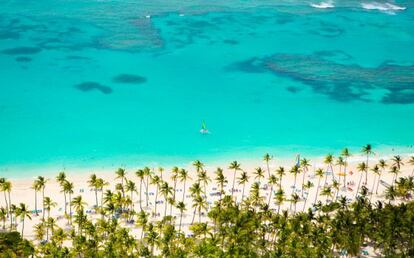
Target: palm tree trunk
column 268, row 169
column 11, row 214
column 270, row 196
column 156, row 200
column 234, row 180
column 64, row 194
column 317, row 190
column 359, row 185
column 165, row 209
column 194, row 213
column 373, row 186
column 181, row 219
column 303, row 181
column 244, row 185
column 379, row 179
column 184, row 190
column 304, row 204
column 199, row 215
column 23, row 226
column 96, row 197
column 345, row 173
column 70, row 208
column 147, row 194
column 140, row 194
column 36, row 203
column 7, row 204
column 43, row 203
column 294, row 184
column 366, row 172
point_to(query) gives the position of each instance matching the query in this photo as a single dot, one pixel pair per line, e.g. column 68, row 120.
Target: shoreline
column 26, row 171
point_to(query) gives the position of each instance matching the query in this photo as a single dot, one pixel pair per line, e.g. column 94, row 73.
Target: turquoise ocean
column 111, row 83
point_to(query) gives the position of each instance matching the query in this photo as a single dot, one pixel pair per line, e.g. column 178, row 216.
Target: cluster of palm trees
column 126, row 219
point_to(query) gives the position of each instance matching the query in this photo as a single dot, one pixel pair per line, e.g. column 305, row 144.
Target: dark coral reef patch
column 339, row 81
column 129, row 79
column 90, row 86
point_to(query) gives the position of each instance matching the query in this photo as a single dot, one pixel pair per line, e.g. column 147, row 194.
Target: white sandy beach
column 23, row 193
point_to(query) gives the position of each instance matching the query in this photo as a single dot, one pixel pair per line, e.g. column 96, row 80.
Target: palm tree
column 243, row 179
column 319, row 172
column 411, row 162
column 341, row 163
column 142, row 220
column 165, row 191
column 294, row 200
column 147, row 173
column 267, row 158
column 204, row 178
column 367, row 150
column 36, row 187
column 2, row 188
column 272, row 181
column 346, row 154
column 131, row 187
column 397, row 161
column 121, row 173
column 221, row 180
column 362, row 167
column 92, row 182
column 395, row 171
column 140, row 174
column 156, row 180
column 279, row 198
column 376, row 171
column 307, row 186
column 41, row 181
column 3, row 217
column 174, row 176
column 181, row 208
column 304, row 164
column 329, row 162
column 280, row 172
column 39, row 230
column 259, row 174
column 61, row 178
column 199, row 204
column 183, row 176
column 295, row 170
column 23, row 213
column 235, row 166
column 48, row 205
column 6, row 187
column 78, row 204
column 68, row 188
column 381, row 164
column 198, row 165
column 327, row 191
column 100, row 184
column 335, row 185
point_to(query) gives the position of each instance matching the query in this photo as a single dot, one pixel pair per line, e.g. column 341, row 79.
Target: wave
column 323, row 5
column 384, row 7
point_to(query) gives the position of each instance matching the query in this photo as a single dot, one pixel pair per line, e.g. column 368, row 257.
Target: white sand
column 22, row 192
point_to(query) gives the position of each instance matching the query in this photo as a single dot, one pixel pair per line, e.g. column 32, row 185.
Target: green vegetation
column 246, row 225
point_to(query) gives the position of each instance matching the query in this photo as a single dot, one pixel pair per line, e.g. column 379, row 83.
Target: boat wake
column 323, row 5
column 383, row 7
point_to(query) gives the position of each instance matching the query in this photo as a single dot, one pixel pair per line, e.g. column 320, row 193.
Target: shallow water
column 117, row 82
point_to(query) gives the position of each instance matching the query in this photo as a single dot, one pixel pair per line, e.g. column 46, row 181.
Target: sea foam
column 323, row 5
column 383, row 7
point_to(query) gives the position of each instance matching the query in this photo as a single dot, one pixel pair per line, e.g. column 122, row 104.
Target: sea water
column 87, row 83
